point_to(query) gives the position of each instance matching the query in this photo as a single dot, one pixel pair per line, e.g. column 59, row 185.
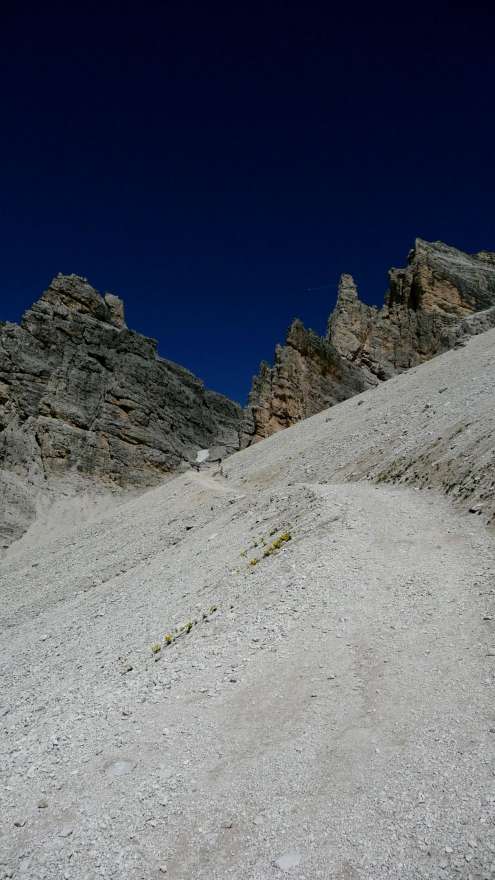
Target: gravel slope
column 331, row 712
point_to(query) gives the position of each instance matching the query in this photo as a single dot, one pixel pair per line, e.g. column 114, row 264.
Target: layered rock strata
column 308, row 375
column 81, row 396
column 439, row 298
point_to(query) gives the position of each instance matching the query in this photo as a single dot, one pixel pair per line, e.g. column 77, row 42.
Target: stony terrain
column 88, row 408
column 442, row 295
column 283, row 667
column 86, row 405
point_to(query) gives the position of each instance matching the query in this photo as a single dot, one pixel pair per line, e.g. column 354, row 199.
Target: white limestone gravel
column 331, row 713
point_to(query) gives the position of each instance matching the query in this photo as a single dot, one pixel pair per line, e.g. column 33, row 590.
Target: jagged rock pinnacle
column 440, row 294
column 347, row 290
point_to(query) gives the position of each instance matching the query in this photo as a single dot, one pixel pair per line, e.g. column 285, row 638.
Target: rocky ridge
column 86, row 401
column 440, row 297
column 88, row 406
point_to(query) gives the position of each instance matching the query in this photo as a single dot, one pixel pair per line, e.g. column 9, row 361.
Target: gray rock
column 439, row 289
column 290, row 859
column 309, row 375
column 81, row 396
column 120, row 767
column 439, row 299
column 66, row 831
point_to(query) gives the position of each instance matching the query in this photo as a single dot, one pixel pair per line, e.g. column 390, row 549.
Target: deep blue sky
column 210, row 162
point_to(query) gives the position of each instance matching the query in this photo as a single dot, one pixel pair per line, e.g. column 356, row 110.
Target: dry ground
column 330, row 714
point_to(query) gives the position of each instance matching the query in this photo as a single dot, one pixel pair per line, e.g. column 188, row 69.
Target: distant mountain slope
column 82, row 396
column 430, row 305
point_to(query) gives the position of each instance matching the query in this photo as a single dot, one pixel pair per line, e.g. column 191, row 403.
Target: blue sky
column 210, row 164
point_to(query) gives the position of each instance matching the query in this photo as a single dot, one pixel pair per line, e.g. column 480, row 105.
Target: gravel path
column 329, row 715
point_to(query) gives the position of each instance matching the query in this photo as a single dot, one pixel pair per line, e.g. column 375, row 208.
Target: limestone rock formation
column 308, row 375
column 81, row 396
column 441, row 296
column 439, row 287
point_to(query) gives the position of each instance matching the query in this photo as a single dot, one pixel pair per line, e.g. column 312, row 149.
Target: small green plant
column 277, row 543
column 184, row 630
column 273, row 547
column 285, row 536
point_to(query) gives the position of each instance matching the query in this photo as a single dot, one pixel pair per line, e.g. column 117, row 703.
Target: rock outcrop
column 86, row 402
column 309, row 375
column 83, row 397
column 425, row 302
column 439, row 298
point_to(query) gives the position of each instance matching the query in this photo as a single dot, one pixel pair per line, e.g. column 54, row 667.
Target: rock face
column 425, row 302
column 83, row 396
column 441, row 296
column 85, row 402
column 309, row 375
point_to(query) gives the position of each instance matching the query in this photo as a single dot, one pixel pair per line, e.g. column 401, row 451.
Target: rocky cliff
column 81, row 396
column 439, row 297
column 308, row 375
column 85, row 402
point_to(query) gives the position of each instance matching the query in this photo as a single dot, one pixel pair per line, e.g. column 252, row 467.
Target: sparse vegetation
column 171, row 637
column 271, row 548
column 277, row 543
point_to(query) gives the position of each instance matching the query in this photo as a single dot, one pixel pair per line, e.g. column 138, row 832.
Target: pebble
column 120, row 767
column 42, row 804
column 66, row 831
column 290, row 859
